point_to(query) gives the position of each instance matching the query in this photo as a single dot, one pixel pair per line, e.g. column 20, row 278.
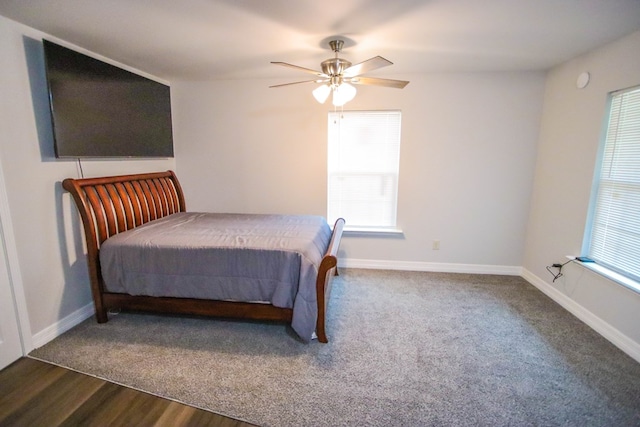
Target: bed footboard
column 328, row 269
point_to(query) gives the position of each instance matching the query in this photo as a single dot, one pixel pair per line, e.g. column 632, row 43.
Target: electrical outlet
column 436, row 245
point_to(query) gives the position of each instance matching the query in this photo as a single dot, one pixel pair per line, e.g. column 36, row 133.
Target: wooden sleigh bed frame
column 110, row 205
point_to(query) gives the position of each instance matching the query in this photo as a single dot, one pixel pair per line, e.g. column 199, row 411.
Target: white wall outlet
column 436, row 245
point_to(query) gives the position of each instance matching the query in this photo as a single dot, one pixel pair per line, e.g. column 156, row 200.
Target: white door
column 10, row 343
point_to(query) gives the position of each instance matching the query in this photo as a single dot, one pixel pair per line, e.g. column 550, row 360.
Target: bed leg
column 101, row 310
column 322, row 336
column 101, row 316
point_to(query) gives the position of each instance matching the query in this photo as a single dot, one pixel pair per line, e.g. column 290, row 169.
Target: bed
column 145, row 252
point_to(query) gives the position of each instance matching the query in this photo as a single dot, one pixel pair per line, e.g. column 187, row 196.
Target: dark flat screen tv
column 99, row 110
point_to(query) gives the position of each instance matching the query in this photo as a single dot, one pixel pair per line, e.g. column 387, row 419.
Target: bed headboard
column 109, row 205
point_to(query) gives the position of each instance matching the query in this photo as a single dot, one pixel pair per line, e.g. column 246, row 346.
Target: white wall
column 570, row 133
column 467, row 160
column 45, row 224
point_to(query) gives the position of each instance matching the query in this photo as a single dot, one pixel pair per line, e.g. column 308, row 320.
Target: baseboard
column 617, row 338
column 63, row 325
column 506, row 270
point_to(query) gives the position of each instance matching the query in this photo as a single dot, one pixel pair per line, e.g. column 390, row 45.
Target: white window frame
column 612, row 235
column 362, row 156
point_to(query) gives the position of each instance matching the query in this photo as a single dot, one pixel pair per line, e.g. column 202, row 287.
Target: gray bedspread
column 239, row 257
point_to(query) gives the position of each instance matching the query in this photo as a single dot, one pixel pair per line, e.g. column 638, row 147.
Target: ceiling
column 237, row 39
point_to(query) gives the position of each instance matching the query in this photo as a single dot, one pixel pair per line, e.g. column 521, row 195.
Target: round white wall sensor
column 583, row 80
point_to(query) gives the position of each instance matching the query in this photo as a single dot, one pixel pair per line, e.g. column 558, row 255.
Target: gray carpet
column 406, row 349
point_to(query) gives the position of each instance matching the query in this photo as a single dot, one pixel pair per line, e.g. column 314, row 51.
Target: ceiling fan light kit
column 343, row 94
column 338, row 75
column 321, row 93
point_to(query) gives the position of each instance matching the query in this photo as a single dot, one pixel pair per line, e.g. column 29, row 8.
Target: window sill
column 609, row 274
column 372, row 231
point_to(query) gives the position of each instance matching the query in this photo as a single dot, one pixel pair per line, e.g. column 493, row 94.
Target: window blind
column 363, row 167
column 615, row 227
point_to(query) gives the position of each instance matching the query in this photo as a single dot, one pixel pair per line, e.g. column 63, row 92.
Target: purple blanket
column 237, row 257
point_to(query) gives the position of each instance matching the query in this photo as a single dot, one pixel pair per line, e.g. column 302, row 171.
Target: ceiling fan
column 338, row 75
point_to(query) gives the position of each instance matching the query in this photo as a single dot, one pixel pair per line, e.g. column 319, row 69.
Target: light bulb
column 321, row 93
column 343, row 94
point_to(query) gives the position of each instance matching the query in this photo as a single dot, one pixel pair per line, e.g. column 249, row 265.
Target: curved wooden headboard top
column 110, row 205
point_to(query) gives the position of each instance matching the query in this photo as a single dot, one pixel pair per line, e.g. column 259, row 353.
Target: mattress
column 236, row 257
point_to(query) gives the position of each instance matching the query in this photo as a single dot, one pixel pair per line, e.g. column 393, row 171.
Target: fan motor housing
column 335, row 66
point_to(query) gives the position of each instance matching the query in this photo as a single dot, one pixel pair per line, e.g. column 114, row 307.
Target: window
column 363, row 164
column 613, row 231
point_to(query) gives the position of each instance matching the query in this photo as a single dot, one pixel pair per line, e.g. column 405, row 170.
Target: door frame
column 13, row 269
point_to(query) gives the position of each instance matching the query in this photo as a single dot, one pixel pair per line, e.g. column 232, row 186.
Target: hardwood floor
column 35, row 393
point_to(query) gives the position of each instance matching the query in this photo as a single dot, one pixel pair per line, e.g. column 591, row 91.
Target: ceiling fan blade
column 296, row 67
column 366, row 66
column 297, row 83
column 399, row 84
